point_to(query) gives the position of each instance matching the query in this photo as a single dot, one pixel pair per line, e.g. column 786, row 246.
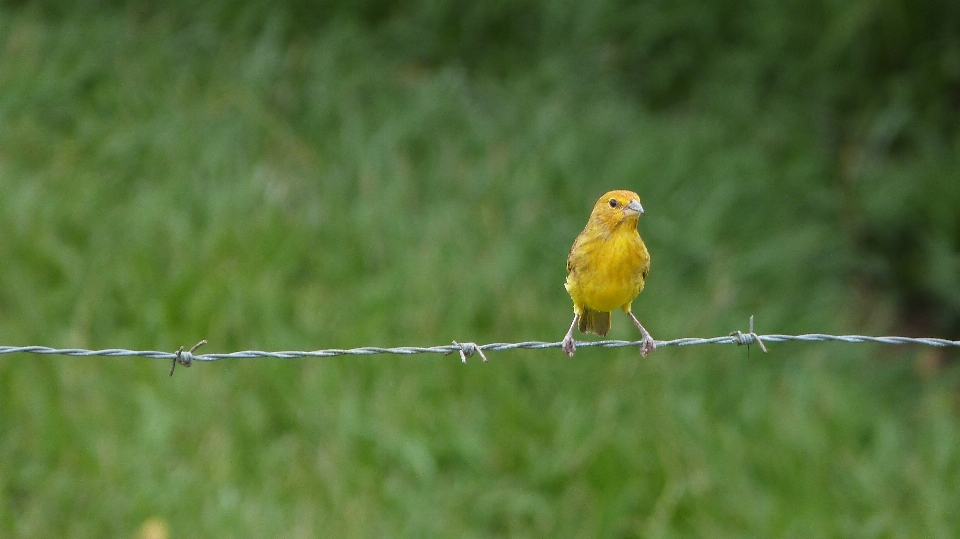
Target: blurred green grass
column 167, row 176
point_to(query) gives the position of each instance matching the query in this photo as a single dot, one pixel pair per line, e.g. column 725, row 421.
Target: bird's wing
column 575, row 256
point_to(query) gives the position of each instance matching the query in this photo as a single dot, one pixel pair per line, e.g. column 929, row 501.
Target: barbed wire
column 467, row 349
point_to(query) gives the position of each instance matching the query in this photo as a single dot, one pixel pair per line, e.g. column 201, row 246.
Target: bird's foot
column 647, row 345
column 568, row 345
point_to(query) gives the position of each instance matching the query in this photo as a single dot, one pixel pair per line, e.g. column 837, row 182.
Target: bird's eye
column 613, row 203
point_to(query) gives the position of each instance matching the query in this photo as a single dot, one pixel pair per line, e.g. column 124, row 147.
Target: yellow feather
column 608, row 263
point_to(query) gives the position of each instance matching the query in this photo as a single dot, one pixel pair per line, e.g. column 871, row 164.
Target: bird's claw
column 568, row 345
column 647, row 345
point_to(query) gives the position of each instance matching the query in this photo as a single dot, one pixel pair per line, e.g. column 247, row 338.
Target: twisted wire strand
column 467, row 349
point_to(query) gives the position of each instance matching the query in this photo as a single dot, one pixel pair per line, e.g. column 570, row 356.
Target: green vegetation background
column 315, row 174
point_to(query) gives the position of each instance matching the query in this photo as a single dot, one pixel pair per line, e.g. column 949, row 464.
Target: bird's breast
column 608, row 273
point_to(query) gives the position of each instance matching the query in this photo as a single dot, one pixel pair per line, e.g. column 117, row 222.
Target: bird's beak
column 634, row 206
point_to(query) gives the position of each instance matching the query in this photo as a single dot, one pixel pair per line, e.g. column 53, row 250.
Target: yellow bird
column 606, row 268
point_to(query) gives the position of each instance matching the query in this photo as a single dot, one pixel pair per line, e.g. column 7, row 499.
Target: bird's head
column 616, row 208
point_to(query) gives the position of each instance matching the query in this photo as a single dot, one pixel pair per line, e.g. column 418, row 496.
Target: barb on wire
column 185, row 358
column 748, row 338
column 467, row 349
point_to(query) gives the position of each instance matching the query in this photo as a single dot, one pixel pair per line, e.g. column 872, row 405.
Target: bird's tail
column 595, row 322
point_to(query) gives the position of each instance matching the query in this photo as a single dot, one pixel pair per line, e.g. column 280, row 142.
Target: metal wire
column 468, row 349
